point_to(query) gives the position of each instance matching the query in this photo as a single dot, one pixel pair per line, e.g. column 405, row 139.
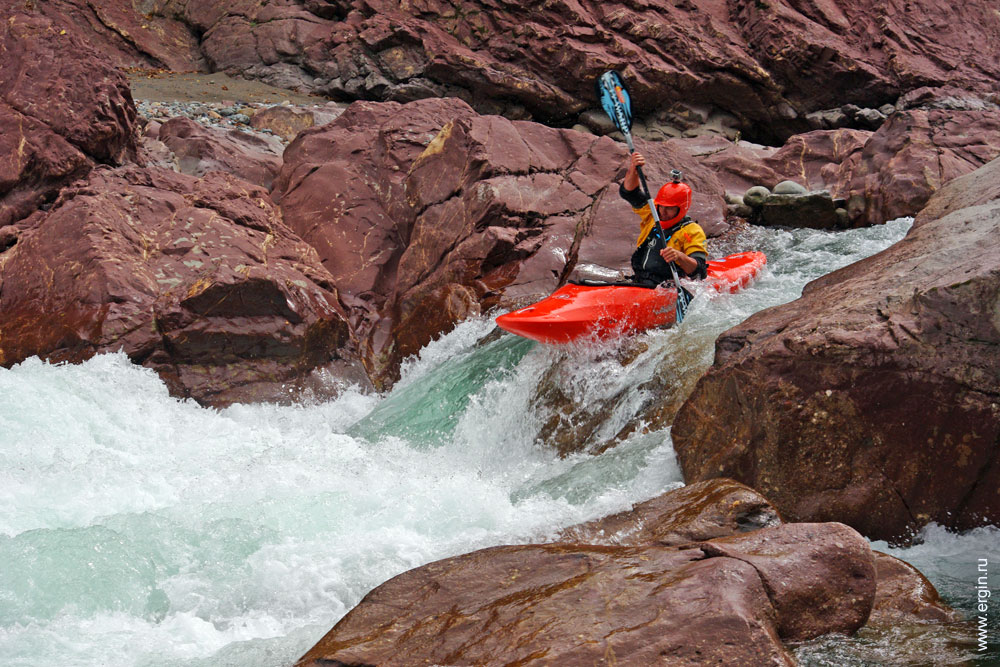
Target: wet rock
column 63, row 109
column 813, row 210
column 814, row 159
column 197, row 150
column 569, row 603
column 904, row 597
column 881, row 380
column 700, row 511
column 195, row 278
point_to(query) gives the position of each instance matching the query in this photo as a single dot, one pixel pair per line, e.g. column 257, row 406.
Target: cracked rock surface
column 881, row 375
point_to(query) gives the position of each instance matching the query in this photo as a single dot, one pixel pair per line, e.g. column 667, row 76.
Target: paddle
column 616, row 102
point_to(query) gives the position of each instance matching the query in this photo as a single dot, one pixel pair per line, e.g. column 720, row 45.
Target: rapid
column 137, row 529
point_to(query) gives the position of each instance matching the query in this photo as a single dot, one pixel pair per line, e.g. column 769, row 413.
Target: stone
column 286, row 122
column 196, row 278
column 755, row 196
column 63, row 109
column 911, row 156
column 696, row 512
column 197, row 150
column 766, row 64
column 813, row 210
column 577, row 604
column 789, row 188
column 881, row 380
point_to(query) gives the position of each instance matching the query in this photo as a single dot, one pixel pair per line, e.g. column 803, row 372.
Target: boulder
column 63, row 109
column 576, row 603
column 196, row 150
column 789, row 188
column 881, row 381
column 904, row 597
column 286, row 122
column 813, row 210
column 196, row 278
column 697, row 512
column 126, row 35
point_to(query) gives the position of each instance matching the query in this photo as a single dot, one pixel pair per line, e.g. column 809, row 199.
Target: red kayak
column 600, row 312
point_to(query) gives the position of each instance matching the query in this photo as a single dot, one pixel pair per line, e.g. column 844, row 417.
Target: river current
column 140, row 530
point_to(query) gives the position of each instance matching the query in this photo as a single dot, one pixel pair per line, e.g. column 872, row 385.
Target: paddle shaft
column 681, row 296
column 616, row 88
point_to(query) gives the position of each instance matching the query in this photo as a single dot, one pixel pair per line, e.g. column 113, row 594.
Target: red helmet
column 674, row 194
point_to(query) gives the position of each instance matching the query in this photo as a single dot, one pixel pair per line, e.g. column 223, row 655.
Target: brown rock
column 904, row 596
column 768, row 64
column 198, row 150
column 124, row 36
column 700, row 511
column 881, row 382
column 833, row 592
column 912, row 156
column 574, row 604
column 195, row 278
column 62, row 109
column 286, row 122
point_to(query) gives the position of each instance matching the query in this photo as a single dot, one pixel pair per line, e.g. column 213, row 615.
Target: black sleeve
column 701, row 272
column 633, row 197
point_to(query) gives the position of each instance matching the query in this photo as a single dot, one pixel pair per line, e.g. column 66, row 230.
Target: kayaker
column 685, row 237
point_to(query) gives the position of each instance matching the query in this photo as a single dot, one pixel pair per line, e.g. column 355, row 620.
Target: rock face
column 765, row 65
column 448, row 211
column 63, row 109
column 197, row 150
column 912, row 156
column 637, row 598
column 196, row 278
column 848, row 403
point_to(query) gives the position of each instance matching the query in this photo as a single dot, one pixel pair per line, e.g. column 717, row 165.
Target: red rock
column 574, row 604
column 881, row 381
column 834, row 592
column 904, row 597
column 700, row 511
column 195, row 278
column 62, row 109
column 124, row 36
column 912, row 156
column 197, row 150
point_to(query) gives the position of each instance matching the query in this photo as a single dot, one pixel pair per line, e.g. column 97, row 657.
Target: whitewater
column 137, row 529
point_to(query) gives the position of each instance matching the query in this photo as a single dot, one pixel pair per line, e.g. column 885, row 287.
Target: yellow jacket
column 689, row 238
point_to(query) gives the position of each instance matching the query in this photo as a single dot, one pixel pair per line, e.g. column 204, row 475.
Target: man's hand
column 636, row 160
column 687, row 264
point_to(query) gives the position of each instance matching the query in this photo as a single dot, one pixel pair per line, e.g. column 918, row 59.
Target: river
column 138, row 529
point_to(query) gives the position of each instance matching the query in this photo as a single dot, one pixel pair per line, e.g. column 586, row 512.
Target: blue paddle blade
column 615, row 100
